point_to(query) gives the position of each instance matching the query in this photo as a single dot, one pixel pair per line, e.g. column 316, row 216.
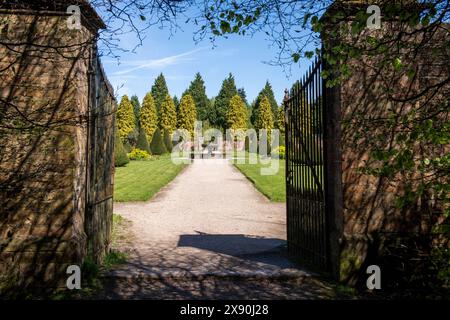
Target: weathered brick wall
column 371, row 114
column 44, row 165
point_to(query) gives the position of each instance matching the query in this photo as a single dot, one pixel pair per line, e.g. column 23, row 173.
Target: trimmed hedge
column 142, row 142
column 168, row 141
column 157, row 146
column 120, row 155
column 127, row 146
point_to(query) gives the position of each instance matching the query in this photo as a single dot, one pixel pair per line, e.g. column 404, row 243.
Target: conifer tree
column 125, row 117
column 198, row 92
column 148, row 116
column 142, row 142
column 187, row 114
column 168, row 115
column 159, row 91
column 264, row 119
column 127, row 146
column 157, row 146
column 280, row 120
column 222, row 102
column 268, row 93
column 176, row 102
column 212, row 114
column 237, row 114
column 168, row 141
column 120, row 155
column 243, row 95
column 136, row 108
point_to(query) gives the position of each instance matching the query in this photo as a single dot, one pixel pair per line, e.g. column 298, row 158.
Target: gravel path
column 208, row 223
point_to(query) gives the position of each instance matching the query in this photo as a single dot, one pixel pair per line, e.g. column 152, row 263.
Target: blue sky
column 178, row 57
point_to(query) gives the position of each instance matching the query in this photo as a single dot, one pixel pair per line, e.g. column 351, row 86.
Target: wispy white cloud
column 158, row 63
column 124, row 77
column 228, row 52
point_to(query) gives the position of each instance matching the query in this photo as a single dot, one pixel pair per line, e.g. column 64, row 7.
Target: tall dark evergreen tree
column 243, row 95
column 176, row 102
column 136, row 108
column 222, row 102
column 159, row 91
column 168, row 141
column 120, row 154
column 157, row 145
column 265, row 92
column 142, row 142
column 198, row 92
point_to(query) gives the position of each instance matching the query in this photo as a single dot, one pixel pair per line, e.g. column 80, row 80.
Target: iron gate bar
column 305, row 174
column 308, row 160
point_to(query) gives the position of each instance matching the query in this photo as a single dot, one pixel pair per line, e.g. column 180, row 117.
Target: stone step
column 131, row 272
column 261, row 286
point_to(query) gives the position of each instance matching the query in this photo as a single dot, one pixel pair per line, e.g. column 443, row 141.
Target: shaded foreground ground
column 209, row 234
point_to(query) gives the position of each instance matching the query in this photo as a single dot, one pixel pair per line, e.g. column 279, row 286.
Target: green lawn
column 140, row 180
column 272, row 186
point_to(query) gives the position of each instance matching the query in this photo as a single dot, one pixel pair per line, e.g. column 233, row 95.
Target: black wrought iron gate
column 305, row 170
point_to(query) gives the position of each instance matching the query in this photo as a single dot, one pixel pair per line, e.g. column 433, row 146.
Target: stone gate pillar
column 366, row 113
column 47, row 67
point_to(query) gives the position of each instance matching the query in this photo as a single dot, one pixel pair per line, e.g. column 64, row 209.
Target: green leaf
column 248, row 20
column 257, row 13
column 306, row 19
column 325, row 74
column 225, row 26
column 309, row 54
column 296, row 57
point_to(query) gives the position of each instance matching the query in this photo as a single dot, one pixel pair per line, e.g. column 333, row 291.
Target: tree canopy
column 237, row 114
column 125, row 117
column 264, row 120
column 157, row 145
column 159, row 91
column 197, row 90
column 222, row 102
column 136, row 108
column 120, row 155
column 187, row 114
column 148, row 116
column 168, row 115
column 176, row 102
column 142, row 142
column 267, row 92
